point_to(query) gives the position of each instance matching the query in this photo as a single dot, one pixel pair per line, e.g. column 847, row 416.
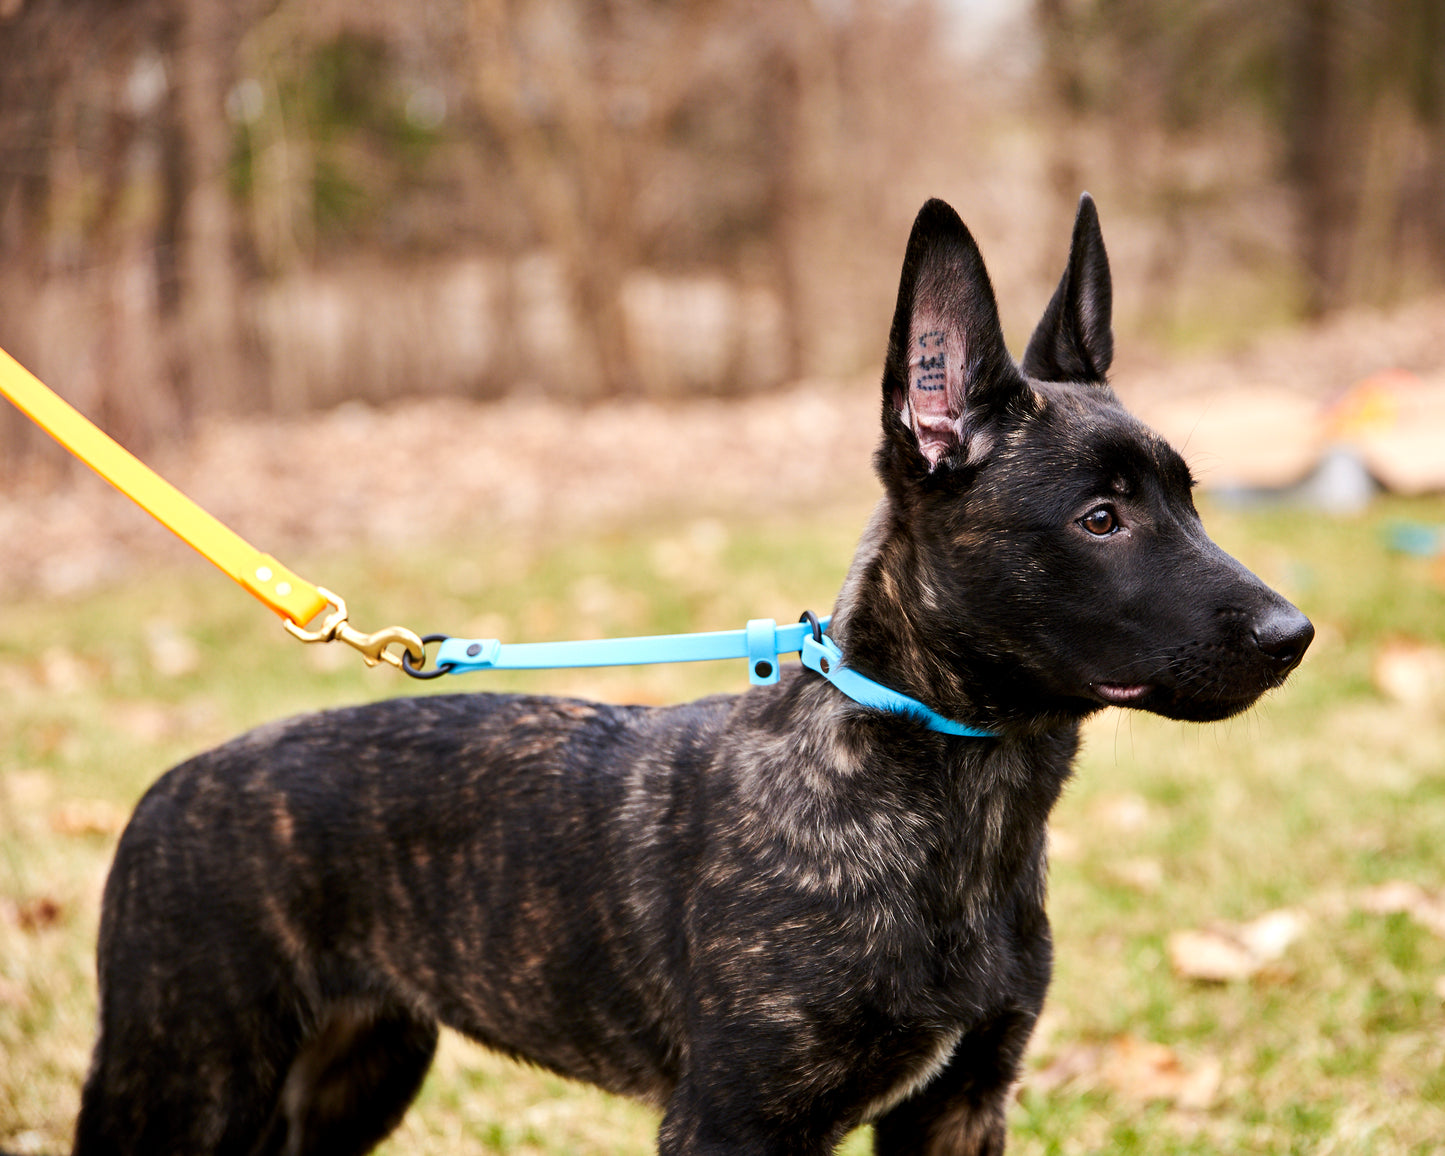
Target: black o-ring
column 812, row 620
column 418, row 672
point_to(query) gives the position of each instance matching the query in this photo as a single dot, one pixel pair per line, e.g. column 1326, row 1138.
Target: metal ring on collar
column 417, row 671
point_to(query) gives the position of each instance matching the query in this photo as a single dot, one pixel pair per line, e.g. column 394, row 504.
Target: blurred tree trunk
column 208, row 290
column 76, row 244
column 806, row 224
column 1065, row 104
column 582, row 211
column 1313, row 145
column 137, row 402
column 1425, row 36
column 24, row 130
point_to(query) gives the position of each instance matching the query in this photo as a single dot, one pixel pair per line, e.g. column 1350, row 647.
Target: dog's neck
column 877, row 628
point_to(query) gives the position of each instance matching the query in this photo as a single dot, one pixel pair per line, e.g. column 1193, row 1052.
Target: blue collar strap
column 821, row 653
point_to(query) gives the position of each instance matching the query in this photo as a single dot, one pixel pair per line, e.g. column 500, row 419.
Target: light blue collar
column 821, row 653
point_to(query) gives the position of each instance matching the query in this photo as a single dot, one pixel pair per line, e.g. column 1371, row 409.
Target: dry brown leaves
column 1400, row 896
column 1142, row 1071
column 1224, row 952
column 425, row 471
column 1136, row 1070
column 1256, row 950
column 36, row 914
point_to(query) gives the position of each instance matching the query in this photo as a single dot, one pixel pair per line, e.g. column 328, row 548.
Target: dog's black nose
column 1284, row 634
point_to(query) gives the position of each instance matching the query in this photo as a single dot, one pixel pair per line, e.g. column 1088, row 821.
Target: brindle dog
column 774, row 915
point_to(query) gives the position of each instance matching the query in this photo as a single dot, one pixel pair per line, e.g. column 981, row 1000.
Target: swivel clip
column 373, row 647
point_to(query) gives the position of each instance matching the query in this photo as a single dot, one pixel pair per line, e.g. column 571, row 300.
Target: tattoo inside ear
column 934, row 408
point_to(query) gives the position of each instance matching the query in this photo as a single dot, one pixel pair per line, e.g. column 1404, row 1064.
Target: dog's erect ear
column 1075, row 339
column 946, row 353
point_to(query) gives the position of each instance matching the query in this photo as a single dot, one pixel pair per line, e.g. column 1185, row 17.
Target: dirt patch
column 428, row 470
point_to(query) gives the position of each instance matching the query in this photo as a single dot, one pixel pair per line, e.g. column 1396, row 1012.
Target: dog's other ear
column 1075, row 340
column 946, row 354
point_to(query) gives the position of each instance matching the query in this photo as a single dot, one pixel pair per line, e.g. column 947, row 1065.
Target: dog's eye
column 1100, row 521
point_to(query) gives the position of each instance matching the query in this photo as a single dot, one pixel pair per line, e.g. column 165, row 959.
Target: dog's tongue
column 1121, row 695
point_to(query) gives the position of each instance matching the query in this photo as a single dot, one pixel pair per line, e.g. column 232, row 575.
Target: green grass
column 1325, row 789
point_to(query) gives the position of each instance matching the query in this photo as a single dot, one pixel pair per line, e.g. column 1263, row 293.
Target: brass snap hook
column 373, row 647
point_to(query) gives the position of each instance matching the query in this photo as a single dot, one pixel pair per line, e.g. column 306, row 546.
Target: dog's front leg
column 735, row 1114
column 961, row 1111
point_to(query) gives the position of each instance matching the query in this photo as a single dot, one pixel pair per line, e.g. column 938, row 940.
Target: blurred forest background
column 215, row 207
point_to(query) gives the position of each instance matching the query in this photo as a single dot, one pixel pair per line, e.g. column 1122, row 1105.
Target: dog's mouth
column 1122, row 694
column 1169, row 702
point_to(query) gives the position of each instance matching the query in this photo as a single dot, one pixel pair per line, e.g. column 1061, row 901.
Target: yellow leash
column 288, row 594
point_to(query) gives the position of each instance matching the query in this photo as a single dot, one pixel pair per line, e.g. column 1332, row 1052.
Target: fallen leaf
column 37, row 914
column 1068, row 1064
column 1233, row 951
column 1391, row 898
column 1410, row 672
column 1400, row 896
column 88, row 817
column 1271, row 935
column 1213, row 956
column 1145, row 1071
column 1137, row 1070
